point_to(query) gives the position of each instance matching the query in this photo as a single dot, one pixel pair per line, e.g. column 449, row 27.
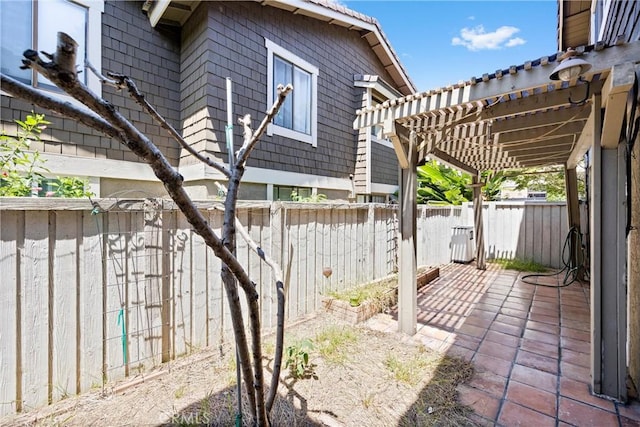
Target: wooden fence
column 95, row 293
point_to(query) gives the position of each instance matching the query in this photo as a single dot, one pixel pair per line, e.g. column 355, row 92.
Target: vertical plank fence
column 95, row 293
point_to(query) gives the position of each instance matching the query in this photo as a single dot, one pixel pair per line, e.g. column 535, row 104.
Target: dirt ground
column 358, row 377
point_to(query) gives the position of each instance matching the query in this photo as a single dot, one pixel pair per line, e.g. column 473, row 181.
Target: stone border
column 366, row 310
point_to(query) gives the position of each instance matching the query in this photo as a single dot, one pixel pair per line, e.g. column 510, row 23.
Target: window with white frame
column 35, row 24
column 297, row 118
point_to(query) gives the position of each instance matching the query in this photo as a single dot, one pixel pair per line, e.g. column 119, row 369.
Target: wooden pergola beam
column 614, row 98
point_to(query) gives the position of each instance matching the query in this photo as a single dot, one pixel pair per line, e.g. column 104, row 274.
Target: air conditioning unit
column 462, row 244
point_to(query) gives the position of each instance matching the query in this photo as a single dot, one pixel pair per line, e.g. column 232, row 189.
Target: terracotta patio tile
column 553, row 320
column 479, row 401
column 538, row 347
column 575, row 372
column 480, row 322
column 537, row 361
column 575, row 345
column 555, row 313
column 481, row 421
column 630, row 411
column 461, row 352
column 490, row 308
column 580, row 414
column 484, row 363
column 510, row 320
column 580, row 325
column 466, row 341
column 483, row 314
column 500, row 338
column 579, row 391
column 521, row 306
column 540, row 336
column 471, row 330
column 516, row 415
column 489, row 383
column 546, row 304
column 501, row 351
column 575, row 334
column 531, row 397
column 543, row 327
column 522, row 314
column 506, row 329
column 576, row 358
column 628, row 422
column 535, row 378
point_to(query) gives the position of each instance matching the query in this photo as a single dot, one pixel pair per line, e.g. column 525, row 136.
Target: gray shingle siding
column 625, row 21
column 234, row 47
column 182, row 73
column 151, row 57
column 131, row 47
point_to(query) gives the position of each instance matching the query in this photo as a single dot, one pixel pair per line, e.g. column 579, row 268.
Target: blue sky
column 443, row 42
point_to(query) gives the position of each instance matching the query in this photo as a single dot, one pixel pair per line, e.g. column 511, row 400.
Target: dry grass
column 359, row 377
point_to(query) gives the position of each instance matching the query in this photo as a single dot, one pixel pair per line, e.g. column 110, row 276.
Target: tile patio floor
column 529, row 345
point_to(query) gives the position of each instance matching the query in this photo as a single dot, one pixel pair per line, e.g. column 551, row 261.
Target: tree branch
column 251, row 139
column 125, row 81
column 65, row 108
column 277, row 273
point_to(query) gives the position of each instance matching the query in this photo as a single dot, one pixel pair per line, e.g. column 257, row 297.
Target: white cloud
column 516, row 41
column 478, row 39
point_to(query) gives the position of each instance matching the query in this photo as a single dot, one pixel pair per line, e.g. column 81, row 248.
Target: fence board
column 182, row 287
column 64, row 304
column 92, row 268
column 9, row 344
column 34, row 294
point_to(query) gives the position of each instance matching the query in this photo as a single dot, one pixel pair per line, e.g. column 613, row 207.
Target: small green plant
column 297, row 358
column 314, row 198
column 71, row 187
column 21, row 168
column 521, row 265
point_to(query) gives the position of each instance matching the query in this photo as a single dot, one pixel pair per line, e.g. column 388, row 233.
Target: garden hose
column 571, row 272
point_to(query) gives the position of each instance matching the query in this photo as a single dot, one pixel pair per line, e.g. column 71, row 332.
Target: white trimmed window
column 35, row 24
column 297, row 118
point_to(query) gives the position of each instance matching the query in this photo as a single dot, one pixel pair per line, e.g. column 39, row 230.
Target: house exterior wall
column 233, row 45
column 182, row 72
column 622, row 19
column 151, row 58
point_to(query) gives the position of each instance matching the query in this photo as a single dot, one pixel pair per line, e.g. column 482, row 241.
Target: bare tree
column 60, row 68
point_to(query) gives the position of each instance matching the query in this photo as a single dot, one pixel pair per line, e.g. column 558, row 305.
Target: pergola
column 519, row 118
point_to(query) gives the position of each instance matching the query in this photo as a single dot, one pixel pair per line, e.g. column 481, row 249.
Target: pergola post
column 478, row 224
column 573, row 213
column 407, row 264
column 608, row 256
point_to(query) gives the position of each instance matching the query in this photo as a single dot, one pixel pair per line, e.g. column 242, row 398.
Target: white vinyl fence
column 95, row 293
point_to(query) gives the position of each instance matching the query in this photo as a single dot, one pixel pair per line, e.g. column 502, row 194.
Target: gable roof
column 176, row 12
